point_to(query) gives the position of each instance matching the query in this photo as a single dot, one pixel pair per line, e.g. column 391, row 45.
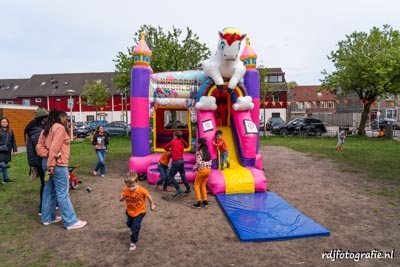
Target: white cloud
column 243, row 103
column 206, row 103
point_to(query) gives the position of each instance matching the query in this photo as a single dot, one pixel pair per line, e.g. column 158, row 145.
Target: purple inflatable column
column 252, row 79
column 140, row 80
column 140, row 125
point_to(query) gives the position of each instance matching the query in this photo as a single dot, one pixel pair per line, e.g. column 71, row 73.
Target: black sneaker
column 187, row 191
column 228, row 164
column 204, row 203
column 8, row 181
column 197, row 205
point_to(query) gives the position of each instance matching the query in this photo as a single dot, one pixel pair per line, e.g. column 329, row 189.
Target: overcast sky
column 56, row 36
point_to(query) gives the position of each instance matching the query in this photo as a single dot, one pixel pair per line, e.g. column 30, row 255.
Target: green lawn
column 377, row 158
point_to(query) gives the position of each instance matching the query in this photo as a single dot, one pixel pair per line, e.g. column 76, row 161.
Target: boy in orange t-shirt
column 135, row 200
column 220, row 143
column 163, row 168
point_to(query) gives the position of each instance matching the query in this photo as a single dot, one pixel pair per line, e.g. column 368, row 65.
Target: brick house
column 273, row 103
column 49, row 91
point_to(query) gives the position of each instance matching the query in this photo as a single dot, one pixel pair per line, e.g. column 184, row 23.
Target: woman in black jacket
column 7, row 138
column 31, row 133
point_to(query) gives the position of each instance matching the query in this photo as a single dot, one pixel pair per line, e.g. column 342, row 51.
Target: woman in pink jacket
column 54, row 147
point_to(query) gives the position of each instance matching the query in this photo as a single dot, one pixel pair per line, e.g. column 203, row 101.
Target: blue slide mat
column 266, row 217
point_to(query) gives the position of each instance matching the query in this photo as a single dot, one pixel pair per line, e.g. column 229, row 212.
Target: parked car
column 273, row 121
column 117, row 128
column 81, row 124
column 93, row 125
column 307, row 126
column 80, row 132
column 383, row 122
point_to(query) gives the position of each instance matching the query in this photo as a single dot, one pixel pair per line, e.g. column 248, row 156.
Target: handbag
column 4, row 148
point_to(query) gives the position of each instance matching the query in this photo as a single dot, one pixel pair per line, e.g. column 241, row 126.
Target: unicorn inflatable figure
column 225, row 63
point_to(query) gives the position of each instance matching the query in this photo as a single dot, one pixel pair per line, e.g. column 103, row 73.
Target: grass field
column 377, row 158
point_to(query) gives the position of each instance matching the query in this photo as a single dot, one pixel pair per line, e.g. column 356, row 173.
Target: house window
column 391, row 113
column 301, row 105
column 10, row 102
column 58, row 99
column 275, row 98
column 319, row 94
column 38, row 100
column 327, row 104
column 26, row 102
column 90, row 118
column 274, row 79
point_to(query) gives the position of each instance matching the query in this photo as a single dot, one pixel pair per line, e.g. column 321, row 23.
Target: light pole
column 71, row 92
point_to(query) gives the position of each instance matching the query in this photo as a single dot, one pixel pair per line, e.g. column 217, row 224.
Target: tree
column 368, row 65
column 170, row 52
column 96, row 95
column 291, row 84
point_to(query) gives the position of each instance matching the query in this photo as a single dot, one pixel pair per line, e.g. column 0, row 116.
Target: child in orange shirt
column 220, row 143
column 135, row 199
column 163, row 168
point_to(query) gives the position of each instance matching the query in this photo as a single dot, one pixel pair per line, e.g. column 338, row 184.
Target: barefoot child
column 135, row 199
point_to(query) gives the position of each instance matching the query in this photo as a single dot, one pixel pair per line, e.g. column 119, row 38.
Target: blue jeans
column 4, row 172
column 135, row 224
column 101, row 156
column 163, row 175
column 178, row 166
column 56, row 190
column 223, row 158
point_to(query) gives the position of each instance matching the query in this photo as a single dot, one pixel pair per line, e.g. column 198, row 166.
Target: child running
column 163, row 168
column 135, row 199
column 223, row 149
column 203, row 166
column 341, row 136
column 177, row 146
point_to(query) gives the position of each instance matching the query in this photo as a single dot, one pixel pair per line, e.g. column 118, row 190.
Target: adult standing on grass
column 100, row 142
column 31, row 134
column 7, row 143
column 54, row 146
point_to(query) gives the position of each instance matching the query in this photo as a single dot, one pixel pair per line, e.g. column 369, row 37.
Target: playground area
column 177, row 235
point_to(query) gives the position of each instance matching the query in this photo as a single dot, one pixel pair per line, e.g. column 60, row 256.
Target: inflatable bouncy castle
column 223, row 96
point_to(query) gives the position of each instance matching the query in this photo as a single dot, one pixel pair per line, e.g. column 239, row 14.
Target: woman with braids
column 203, row 168
column 54, row 147
column 31, row 134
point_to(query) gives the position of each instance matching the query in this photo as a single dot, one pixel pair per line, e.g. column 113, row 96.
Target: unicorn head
column 229, row 43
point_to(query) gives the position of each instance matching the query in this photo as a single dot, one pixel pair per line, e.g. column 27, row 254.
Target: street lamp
column 71, row 92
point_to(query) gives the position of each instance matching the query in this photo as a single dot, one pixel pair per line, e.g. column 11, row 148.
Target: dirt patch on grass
column 177, row 235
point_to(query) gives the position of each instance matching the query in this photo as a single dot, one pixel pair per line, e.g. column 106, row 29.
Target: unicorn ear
column 243, row 36
column 221, row 35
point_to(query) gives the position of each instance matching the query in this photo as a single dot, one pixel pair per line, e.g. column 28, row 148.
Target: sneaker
column 58, row 218
column 77, row 225
column 1, row 183
column 178, row 192
column 94, row 173
column 102, row 175
column 228, row 164
column 132, row 246
column 197, row 205
column 40, row 214
column 204, row 203
column 8, row 181
column 187, row 191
